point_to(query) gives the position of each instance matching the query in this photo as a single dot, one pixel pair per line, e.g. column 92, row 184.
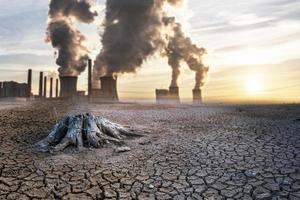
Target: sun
column 254, row 86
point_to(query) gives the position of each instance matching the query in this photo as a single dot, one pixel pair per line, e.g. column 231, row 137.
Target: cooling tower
column 161, row 95
column 197, row 96
column 174, row 94
column 109, row 88
column 68, row 86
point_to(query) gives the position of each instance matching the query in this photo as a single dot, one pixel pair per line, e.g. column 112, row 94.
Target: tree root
column 84, row 130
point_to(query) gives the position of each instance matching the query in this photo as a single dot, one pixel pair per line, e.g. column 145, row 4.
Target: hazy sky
column 254, row 49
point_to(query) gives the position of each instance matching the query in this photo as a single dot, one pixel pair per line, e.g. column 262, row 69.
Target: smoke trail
column 61, row 32
column 132, row 33
column 135, row 30
column 180, row 48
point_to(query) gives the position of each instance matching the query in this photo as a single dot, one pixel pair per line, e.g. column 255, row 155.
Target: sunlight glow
column 254, row 86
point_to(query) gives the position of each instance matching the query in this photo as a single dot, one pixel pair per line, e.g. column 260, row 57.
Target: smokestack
column 89, row 77
column 41, row 85
column 56, row 88
column 45, row 87
column 1, row 89
column 174, row 94
column 197, row 96
column 51, row 87
column 29, row 82
column 109, row 88
column 68, row 86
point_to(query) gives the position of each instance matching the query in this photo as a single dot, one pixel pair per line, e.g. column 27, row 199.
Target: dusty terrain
column 188, row 152
column 12, row 103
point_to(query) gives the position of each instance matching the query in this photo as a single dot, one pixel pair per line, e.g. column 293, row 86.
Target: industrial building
column 108, row 90
column 106, row 93
column 66, row 87
column 14, row 89
column 171, row 95
column 43, row 87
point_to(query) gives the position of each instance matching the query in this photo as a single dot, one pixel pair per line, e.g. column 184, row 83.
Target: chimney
column 1, row 89
column 29, row 82
column 56, row 88
column 109, row 88
column 174, row 94
column 45, row 87
column 68, row 86
column 4, row 89
column 90, row 77
column 51, row 87
column 41, row 85
column 197, row 96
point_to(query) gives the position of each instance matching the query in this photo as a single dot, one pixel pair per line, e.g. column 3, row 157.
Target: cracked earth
column 187, row 152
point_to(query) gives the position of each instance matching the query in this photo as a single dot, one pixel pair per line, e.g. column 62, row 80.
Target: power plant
column 66, row 87
column 147, row 37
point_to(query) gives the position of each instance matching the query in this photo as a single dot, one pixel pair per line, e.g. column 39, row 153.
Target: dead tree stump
column 84, row 130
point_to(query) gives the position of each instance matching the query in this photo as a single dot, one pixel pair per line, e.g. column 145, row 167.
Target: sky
column 253, row 50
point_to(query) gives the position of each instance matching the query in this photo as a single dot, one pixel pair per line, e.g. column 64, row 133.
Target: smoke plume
column 61, row 32
column 135, row 30
column 132, row 33
column 180, row 48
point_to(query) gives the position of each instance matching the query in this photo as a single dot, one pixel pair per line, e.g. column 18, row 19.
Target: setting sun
column 254, row 86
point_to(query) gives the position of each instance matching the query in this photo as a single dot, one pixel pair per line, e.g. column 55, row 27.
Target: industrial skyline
column 261, row 65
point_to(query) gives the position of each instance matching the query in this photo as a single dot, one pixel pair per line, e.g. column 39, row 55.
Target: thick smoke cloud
column 80, row 9
column 132, row 33
column 61, row 32
column 180, row 48
column 135, row 30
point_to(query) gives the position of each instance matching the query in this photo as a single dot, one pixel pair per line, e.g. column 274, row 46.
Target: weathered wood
column 84, row 130
column 55, row 136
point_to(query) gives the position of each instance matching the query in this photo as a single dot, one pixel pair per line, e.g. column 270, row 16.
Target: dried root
column 84, row 130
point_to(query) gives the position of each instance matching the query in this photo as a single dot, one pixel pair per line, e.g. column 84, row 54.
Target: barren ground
column 188, row 152
column 12, row 103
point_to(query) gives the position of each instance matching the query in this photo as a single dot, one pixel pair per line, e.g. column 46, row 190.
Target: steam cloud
column 181, row 48
column 61, row 32
column 132, row 33
column 135, row 30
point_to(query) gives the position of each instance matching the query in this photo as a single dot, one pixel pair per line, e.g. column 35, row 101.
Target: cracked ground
column 187, row 152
